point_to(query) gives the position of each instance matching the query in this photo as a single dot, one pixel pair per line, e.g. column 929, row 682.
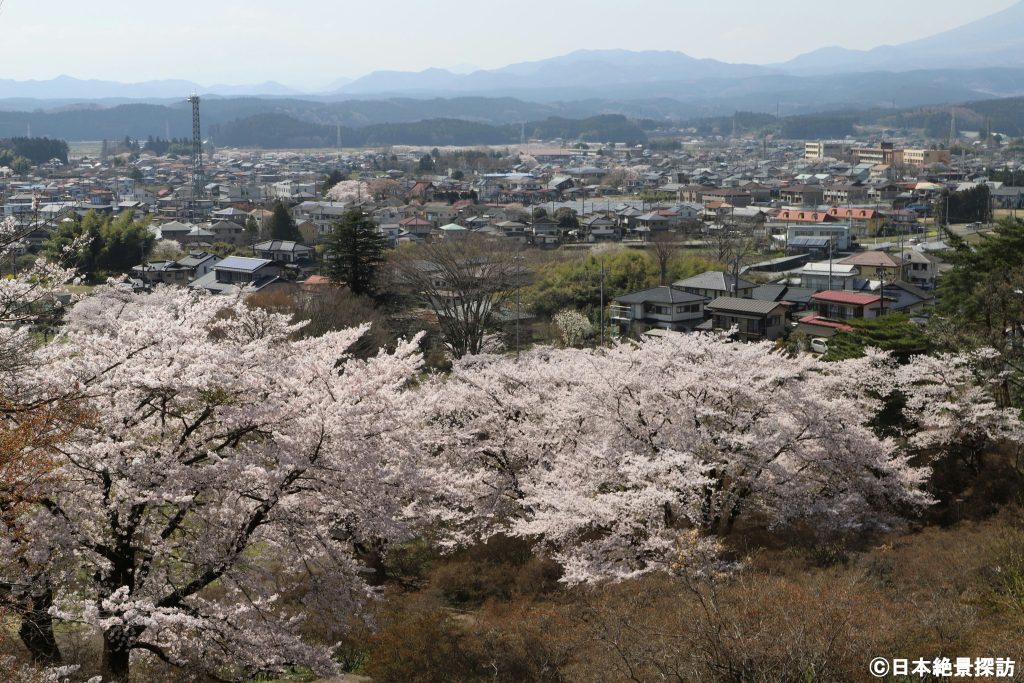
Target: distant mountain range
column 994, row 42
column 598, row 69
column 978, row 61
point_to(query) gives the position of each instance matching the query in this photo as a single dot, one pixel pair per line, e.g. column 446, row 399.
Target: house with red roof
column 831, row 310
column 422, row 190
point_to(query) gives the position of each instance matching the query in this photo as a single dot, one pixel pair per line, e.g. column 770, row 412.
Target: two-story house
column 283, row 251
column 753, row 319
column 877, row 264
column 665, row 308
column 714, row 283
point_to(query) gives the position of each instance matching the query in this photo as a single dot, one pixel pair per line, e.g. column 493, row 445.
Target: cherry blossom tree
column 349, row 191
column 224, row 477
column 574, row 328
column 34, row 419
column 952, row 402
column 640, row 457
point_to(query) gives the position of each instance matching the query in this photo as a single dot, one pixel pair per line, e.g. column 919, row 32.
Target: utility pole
column 831, row 244
column 881, row 283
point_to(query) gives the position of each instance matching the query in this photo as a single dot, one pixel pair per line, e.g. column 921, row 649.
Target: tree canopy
column 282, row 226
column 102, row 245
column 980, row 303
column 894, row 333
column 354, row 252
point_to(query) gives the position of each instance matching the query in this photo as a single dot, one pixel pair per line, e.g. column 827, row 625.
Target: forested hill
column 281, row 131
column 35, row 150
column 1000, row 116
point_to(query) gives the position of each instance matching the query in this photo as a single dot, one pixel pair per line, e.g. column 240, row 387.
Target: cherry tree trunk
column 115, row 657
column 36, row 630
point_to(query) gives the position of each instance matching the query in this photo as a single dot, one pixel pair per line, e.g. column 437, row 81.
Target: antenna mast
column 198, row 175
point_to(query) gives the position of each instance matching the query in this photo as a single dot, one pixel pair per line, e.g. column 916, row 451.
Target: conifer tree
column 355, row 251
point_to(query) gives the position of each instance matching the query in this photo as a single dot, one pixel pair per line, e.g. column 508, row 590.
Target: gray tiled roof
column 660, row 295
column 713, row 279
column 242, row 263
column 729, row 304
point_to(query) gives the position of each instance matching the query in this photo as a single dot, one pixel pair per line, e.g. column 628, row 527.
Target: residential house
column 824, row 275
column 228, row 231
column 513, row 229
column 175, row 231
column 417, row 226
column 843, row 305
column 239, row 273
column 600, row 229
column 200, row 262
column 832, row 310
column 321, row 214
column 650, row 224
column 903, row 297
column 921, row 269
column 797, row 298
column 180, row 272
column 422, row 190
column 878, row 264
column 452, row 231
column 714, row 284
column 754, row 320
column 198, row 236
column 811, row 216
column 283, row 251
column 658, row 308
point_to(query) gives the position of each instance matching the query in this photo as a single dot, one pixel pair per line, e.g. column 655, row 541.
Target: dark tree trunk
column 115, row 657
column 36, row 630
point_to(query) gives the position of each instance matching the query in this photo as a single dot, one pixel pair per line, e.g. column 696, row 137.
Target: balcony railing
column 621, row 312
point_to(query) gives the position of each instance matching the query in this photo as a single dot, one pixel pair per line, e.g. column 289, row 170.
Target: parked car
column 819, row 345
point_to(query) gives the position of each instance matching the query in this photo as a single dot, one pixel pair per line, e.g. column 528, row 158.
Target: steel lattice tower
column 198, row 175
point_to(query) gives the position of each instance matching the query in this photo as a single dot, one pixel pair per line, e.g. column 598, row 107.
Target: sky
column 309, row 44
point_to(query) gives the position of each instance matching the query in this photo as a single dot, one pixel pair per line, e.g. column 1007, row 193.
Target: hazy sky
column 310, row 43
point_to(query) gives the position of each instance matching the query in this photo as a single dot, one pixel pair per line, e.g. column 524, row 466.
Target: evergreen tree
column 426, row 164
column 332, row 179
column 980, row 303
column 282, row 226
column 355, row 251
column 894, row 333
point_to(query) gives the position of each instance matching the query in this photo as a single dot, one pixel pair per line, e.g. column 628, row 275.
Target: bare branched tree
column 664, row 248
column 466, row 282
column 734, row 248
